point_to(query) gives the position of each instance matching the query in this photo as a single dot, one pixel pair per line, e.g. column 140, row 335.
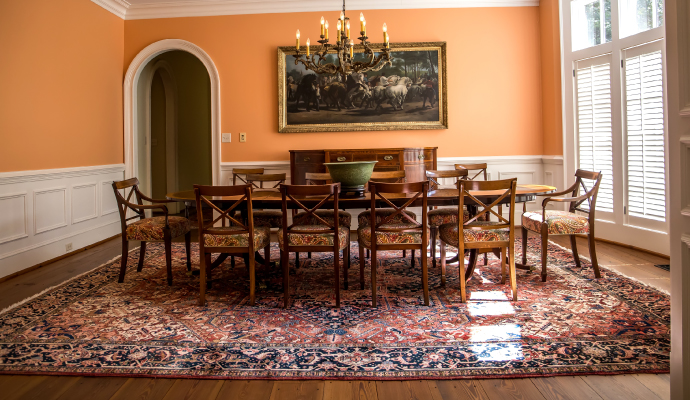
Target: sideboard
column 413, row 160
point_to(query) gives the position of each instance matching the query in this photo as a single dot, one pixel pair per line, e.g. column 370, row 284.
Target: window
column 640, row 15
column 594, row 127
column 591, row 23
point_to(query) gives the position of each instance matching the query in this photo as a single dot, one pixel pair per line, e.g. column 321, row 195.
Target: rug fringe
column 632, row 278
column 44, row 291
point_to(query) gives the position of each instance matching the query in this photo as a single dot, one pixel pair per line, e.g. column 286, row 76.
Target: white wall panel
column 84, row 202
column 50, row 209
column 108, row 201
column 14, row 217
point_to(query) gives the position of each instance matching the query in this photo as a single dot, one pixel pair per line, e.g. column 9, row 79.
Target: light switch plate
column 227, row 137
column 243, row 137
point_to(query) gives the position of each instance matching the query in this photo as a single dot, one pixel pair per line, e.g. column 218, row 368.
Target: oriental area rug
column 571, row 324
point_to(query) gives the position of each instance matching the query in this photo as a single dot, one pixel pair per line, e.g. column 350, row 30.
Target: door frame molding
column 131, row 83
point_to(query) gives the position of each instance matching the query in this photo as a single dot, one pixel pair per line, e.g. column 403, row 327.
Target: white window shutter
column 644, row 105
column 594, row 124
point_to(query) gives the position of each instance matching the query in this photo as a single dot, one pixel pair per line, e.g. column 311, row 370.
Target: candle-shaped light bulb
column 297, row 35
column 348, row 29
column 322, row 27
column 342, row 16
column 307, row 47
column 326, row 25
column 385, row 28
column 337, row 38
column 385, row 34
column 364, row 27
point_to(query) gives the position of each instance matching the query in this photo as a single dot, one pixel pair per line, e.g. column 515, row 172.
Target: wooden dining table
column 443, row 196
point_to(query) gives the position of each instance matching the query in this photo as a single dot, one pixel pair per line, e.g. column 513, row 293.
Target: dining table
column 263, row 199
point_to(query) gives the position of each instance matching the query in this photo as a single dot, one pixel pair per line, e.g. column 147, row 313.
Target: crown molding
column 149, row 9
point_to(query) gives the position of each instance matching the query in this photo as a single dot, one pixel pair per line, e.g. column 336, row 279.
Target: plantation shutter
column 594, row 125
column 644, row 106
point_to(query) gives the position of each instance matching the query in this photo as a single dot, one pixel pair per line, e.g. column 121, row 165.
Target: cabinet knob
column 306, row 159
column 421, row 156
column 387, row 158
column 341, row 158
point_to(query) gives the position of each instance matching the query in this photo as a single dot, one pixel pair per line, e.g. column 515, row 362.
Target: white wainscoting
column 547, row 170
column 43, row 211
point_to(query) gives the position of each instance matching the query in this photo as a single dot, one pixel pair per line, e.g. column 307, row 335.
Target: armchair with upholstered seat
column 560, row 222
column 155, row 229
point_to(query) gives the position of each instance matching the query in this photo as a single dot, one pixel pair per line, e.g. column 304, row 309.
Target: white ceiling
column 146, row 9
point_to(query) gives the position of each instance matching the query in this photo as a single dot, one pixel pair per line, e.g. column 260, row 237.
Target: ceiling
column 147, row 9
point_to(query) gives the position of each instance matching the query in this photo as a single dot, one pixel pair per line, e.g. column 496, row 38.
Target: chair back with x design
column 434, row 176
column 589, row 195
column 261, row 178
column 311, row 193
column 241, row 174
column 504, row 189
column 474, row 170
column 124, row 204
column 413, row 191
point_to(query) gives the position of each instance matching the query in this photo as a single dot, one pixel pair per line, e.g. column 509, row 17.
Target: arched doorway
column 137, row 85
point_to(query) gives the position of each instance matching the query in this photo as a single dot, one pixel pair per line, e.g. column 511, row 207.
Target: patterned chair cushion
column 445, row 215
column 449, row 233
column 382, row 213
column 316, row 238
column 151, row 229
column 269, row 218
column 262, row 237
column 344, row 218
column 558, row 222
column 414, row 237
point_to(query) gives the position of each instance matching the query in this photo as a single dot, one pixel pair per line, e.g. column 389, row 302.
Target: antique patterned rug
column 572, row 324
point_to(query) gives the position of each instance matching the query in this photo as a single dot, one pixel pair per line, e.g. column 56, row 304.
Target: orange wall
column 60, row 85
column 494, row 77
column 552, row 120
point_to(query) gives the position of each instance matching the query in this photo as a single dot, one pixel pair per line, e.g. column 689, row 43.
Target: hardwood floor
column 632, row 263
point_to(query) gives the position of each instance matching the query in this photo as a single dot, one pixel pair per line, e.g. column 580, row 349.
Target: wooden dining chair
column 326, row 236
column 317, row 178
column 270, row 218
column 480, row 233
column 479, row 171
column 233, row 236
column 396, row 231
column 443, row 215
column 156, row 229
column 565, row 222
column 241, row 174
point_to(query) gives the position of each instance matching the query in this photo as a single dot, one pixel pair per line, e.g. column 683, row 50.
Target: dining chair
column 480, row 233
column 443, row 215
column 154, row 229
column 233, row 236
column 270, row 218
column 326, row 236
column 397, row 231
column 241, row 174
column 317, row 178
column 364, row 217
column 565, row 222
column 475, row 172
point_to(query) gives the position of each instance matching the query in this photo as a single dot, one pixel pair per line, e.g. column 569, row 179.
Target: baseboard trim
column 52, row 260
column 627, row 246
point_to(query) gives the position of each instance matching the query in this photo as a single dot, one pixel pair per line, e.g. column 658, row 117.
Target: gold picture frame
column 385, row 116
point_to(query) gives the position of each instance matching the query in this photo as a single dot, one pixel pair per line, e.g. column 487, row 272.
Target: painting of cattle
column 410, row 93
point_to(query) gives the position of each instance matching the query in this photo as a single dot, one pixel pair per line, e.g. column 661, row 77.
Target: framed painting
column 408, row 94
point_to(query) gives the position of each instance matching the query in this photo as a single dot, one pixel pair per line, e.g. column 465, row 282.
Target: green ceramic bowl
column 352, row 175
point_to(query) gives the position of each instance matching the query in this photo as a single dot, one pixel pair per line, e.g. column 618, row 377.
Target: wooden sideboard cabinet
column 414, row 160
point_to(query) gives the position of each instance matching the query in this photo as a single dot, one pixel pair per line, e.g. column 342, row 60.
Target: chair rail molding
column 46, row 211
column 148, row 9
column 137, row 70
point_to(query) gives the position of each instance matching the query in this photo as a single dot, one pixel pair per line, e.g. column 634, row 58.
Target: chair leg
column 443, row 263
column 374, row 264
column 367, row 251
column 404, row 253
column 361, row 266
column 252, row 278
column 432, row 232
column 573, row 244
column 461, row 275
column 593, row 255
column 425, row 275
column 297, row 260
column 503, row 265
column 209, row 281
column 142, row 256
column 202, row 280
column 286, row 277
column 309, row 255
column 511, row 270
column 346, row 264
column 524, row 246
column 188, row 249
column 544, row 251
column 336, row 277
column 232, row 262
column 486, row 258
column 267, row 256
column 412, row 261
column 168, row 255
column 123, row 262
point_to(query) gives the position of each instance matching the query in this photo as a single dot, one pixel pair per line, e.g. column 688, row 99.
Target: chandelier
column 344, row 47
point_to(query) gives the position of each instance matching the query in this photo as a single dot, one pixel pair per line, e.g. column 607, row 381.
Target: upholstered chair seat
column 383, row 237
column 445, row 215
column 449, row 233
column 317, row 238
column 262, row 236
column 151, row 229
column 557, row 222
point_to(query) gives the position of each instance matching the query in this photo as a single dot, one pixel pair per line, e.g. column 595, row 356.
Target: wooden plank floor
column 632, row 263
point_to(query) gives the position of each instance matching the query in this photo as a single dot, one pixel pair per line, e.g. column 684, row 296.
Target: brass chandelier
column 344, row 48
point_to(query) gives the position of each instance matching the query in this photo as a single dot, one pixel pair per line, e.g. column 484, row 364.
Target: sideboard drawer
column 339, row 157
column 310, row 158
